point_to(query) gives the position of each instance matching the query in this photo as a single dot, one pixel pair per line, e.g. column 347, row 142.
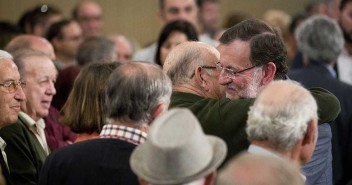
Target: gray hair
column 282, row 119
column 185, row 58
column 20, row 56
column 5, row 55
column 320, row 38
column 96, row 49
column 134, row 91
column 268, row 169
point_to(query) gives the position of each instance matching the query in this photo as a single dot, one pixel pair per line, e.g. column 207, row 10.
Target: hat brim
column 136, row 162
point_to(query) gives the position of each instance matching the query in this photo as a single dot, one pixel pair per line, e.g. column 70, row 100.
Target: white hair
column 5, row 55
column 281, row 118
column 320, row 38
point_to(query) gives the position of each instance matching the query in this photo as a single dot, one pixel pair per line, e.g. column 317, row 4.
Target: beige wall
column 138, row 18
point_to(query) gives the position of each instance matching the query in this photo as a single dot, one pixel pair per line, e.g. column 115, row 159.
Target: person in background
column 173, row 34
column 89, row 16
column 93, row 49
column 209, row 17
column 65, row 36
column 124, row 47
column 320, row 39
column 37, row 21
column 172, row 10
column 84, row 110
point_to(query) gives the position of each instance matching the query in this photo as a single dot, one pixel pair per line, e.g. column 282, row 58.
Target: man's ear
column 142, row 182
column 210, row 179
column 269, row 71
column 161, row 108
column 200, row 79
column 311, row 134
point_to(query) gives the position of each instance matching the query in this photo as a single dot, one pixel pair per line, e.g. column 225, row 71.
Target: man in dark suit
column 130, row 111
column 321, row 40
column 11, row 96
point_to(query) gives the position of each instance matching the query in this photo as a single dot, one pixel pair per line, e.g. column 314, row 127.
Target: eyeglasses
column 230, row 72
column 205, row 67
column 12, row 86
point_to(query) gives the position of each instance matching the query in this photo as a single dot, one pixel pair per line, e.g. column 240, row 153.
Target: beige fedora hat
column 177, row 150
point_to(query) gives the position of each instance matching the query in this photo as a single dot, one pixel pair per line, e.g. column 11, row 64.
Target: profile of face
column 174, row 39
column 12, row 95
column 40, row 76
column 238, row 75
column 180, row 10
column 346, row 22
column 70, row 41
column 89, row 17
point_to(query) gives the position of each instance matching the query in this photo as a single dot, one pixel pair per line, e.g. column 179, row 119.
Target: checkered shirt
column 124, row 133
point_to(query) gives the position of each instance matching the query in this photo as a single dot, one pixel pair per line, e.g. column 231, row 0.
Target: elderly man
column 321, row 40
column 57, row 135
column 178, row 152
column 171, row 10
column 283, row 122
column 65, row 36
column 266, row 168
column 89, row 16
column 26, row 142
column 11, row 95
column 191, row 67
column 130, row 112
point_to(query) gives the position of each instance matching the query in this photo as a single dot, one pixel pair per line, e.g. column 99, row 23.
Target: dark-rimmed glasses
column 205, row 67
column 230, row 72
column 12, row 86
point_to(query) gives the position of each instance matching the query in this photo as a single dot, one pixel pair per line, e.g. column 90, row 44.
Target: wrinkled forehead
column 236, row 53
column 8, row 69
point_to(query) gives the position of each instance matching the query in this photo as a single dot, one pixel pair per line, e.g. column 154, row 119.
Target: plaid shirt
column 124, row 133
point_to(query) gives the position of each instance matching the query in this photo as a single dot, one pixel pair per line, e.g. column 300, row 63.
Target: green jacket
column 24, row 153
column 227, row 118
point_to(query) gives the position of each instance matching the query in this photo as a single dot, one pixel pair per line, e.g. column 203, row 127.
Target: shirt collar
column 2, row 144
column 30, row 122
column 124, row 133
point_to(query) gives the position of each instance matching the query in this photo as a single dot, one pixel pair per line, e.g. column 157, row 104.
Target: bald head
column 37, row 43
column 184, row 58
column 268, row 170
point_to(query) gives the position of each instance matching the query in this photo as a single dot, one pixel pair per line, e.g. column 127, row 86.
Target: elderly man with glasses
column 204, row 96
column 11, row 97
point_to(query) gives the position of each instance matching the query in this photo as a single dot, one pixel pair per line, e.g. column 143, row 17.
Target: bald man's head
column 31, row 42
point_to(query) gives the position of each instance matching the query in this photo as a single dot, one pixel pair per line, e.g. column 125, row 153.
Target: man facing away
column 283, row 122
column 178, row 152
column 136, row 93
column 11, row 97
